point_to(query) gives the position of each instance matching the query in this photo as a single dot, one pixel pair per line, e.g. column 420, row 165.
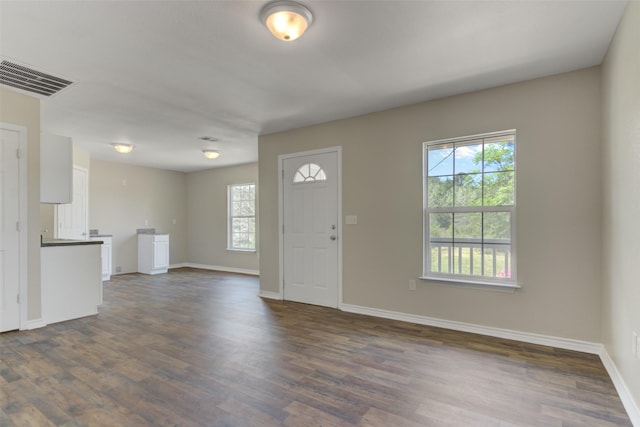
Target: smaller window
column 241, row 228
column 309, row 172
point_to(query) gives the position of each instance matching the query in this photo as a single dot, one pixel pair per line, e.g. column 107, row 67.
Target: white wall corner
column 632, row 407
column 270, row 295
column 35, row 324
column 179, row 265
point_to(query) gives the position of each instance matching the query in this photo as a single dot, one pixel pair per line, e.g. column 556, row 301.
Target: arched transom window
column 309, row 172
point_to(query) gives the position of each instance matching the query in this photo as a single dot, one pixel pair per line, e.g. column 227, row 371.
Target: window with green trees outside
column 469, row 209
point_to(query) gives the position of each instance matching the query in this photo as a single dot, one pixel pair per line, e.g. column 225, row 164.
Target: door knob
column 333, row 237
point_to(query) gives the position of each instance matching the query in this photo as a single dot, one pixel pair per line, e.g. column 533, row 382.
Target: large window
column 241, row 232
column 469, row 209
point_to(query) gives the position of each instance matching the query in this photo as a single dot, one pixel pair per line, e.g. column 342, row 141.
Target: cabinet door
column 107, row 262
column 56, row 165
column 160, row 254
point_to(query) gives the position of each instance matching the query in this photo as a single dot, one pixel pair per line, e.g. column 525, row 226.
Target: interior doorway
column 72, row 219
column 13, row 228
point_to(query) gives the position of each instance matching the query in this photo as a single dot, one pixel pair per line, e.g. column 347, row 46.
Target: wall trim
column 270, row 295
column 23, row 217
column 179, row 265
column 632, row 407
column 216, row 268
column 35, row 324
column 564, row 343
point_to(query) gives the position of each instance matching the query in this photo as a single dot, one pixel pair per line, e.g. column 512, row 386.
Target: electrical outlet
column 118, row 269
column 412, row 285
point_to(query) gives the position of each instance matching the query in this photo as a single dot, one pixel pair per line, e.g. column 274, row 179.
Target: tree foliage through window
column 470, row 204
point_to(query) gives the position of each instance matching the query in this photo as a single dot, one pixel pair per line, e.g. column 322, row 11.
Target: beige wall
column 122, row 197
column 80, row 158
column 621, row 154
column 207, row 216
column 558, row 195
column 24, row 111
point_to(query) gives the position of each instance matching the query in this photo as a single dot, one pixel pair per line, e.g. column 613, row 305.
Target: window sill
column 478, row 284
column 245, row 251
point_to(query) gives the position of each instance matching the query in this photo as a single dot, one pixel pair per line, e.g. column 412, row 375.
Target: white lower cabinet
column 71, row 285
column 106, row 255
column 153, row 253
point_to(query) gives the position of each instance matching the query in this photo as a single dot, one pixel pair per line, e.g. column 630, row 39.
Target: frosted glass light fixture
column 123, row 148
column 287, row 20
column 211, row 154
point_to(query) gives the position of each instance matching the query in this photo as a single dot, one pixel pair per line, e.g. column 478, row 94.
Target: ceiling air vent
column 30, row 80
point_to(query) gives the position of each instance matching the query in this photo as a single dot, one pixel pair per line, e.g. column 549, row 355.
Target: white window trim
column 461, row 279
column 242, row 251
column 319, row 176
column 230, row 217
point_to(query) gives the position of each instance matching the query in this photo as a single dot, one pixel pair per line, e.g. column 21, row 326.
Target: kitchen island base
column 71, row 281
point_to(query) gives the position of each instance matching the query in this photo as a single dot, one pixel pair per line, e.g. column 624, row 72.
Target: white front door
column 311, row 228
column 9, row 233
column 72, row 218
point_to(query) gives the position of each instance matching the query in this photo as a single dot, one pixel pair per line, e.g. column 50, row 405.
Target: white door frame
column 56, row 228
column 23, row 218
column 281, row 159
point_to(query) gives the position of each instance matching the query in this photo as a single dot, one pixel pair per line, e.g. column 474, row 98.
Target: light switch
column 351, row 219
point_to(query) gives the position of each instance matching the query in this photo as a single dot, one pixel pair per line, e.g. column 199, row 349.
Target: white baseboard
column 565, row 343
column 270, row 295
column 35, row 324
column 178, row 265
column 632, row 407
column 217, row 268
column 629, row 403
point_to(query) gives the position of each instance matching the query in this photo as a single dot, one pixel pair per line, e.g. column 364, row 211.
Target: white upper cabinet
column 56, row 169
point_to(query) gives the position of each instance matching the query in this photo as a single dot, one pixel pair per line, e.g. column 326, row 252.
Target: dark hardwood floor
column 199, row 348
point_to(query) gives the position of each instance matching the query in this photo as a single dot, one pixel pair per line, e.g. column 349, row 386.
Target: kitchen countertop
column 47, row 243
column 95, row 232
column 149, row 231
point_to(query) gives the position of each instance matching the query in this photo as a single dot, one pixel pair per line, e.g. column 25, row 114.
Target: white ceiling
column 160, row 74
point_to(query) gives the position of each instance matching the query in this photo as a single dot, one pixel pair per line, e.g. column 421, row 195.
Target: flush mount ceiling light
column 287, row 20
column 209, row 138
column 211, row 154
column 123, row 148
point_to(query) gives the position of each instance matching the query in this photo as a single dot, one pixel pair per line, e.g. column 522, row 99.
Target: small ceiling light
column 287, row 20
column 211, row 154
column 123, row 148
